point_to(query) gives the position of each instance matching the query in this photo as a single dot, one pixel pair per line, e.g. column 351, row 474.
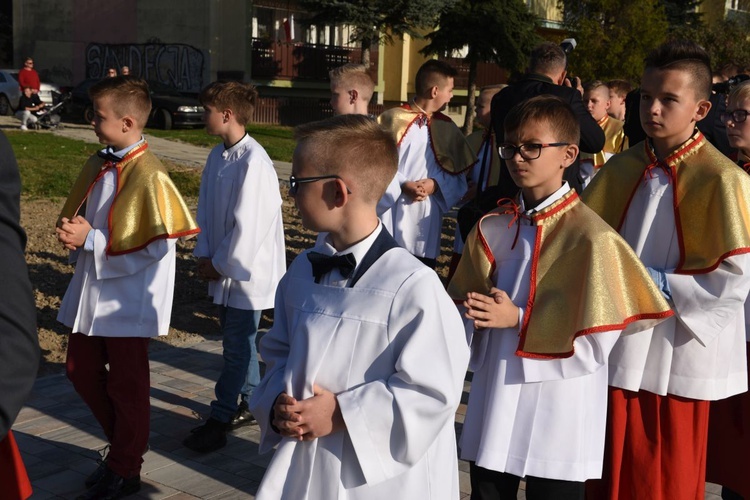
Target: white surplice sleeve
column 117, row 266
column 392, row 423
column 452, row 188
column 255, row 216
column 274, row 347
column 707, row 303
column 202, row 248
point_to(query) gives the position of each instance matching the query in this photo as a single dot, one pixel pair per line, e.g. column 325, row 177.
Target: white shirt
column 544, row 418
column 700, row 352
column 417, row 225
column 239, row 213
column 126, row 295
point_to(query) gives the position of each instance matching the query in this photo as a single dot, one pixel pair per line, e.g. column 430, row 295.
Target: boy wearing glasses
column 366, row 358
column 546, row 287
column 682, row 206
column 240, row 251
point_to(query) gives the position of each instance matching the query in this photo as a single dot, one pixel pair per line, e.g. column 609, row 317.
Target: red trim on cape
column 532, row 289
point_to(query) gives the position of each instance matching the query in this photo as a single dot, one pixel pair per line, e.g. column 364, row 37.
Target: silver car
column 9, row 92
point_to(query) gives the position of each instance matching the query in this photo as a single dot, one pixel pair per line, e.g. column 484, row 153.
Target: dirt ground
column 193, row 314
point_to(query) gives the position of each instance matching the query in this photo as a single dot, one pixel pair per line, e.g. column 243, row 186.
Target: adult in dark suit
column 545, row 75
column 19, row 345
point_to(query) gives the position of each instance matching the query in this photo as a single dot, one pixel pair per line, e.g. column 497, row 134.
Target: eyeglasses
column 507, row 150
column 737, row 116
column 294, row 182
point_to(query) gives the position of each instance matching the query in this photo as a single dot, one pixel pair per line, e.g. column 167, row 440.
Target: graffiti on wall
column 174, row 64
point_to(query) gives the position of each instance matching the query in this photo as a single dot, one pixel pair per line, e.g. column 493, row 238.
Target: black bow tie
column 109, row 156
column 323, row 264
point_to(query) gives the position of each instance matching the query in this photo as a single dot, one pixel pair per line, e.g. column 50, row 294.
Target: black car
column 169, row 108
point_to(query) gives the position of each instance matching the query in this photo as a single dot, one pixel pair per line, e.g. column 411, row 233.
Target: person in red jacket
column 28, row 77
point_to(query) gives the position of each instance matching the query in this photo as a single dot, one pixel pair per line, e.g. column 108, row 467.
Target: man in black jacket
column 546, row 75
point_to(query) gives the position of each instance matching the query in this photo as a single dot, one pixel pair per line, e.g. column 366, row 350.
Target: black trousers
column 492, row 485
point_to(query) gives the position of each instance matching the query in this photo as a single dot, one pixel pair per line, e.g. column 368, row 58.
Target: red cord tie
column 510, row 207
column 649, row 172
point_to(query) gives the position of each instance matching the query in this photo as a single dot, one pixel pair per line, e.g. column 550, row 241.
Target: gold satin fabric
column 711, row 200
column 451, row 150
column 584, row 279
column 146, row 206
column 614, row 141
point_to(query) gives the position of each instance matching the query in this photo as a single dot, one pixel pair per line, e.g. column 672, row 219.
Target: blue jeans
column 241, row 372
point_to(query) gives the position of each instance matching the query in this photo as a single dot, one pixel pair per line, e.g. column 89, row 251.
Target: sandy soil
column 193, row 314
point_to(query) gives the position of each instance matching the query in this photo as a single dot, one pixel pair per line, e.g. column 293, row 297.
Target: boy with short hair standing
column 547, row 287
column 240, row 251
column 433, row 154
column 357, row 408
column 681, row 205
column 351, row 89
column 121, row 292
column 597, row 101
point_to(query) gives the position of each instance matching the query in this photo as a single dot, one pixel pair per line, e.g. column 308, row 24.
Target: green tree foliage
column 614, row 36
column 726, row 42
column 376, row 19
column 500, row 31
column 681, row 14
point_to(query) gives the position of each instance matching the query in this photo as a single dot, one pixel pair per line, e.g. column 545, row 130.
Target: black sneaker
column 112, row 486
column 242, row 417
column 102, row 466
column 208, row 437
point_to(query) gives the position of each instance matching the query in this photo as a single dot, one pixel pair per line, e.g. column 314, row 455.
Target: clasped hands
column 72, row 232
column 419, row 190
column 309, row 419
column 495, row 310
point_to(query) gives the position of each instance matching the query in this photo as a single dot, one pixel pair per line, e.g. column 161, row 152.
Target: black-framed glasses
column 737, row 116
column 294, row 182
column 529, row 151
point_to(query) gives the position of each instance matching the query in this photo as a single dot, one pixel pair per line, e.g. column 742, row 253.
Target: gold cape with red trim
column 477, row 141
column 711, row 200
column 452, row 152
column 584, row 279
column 614, row 141
column 146, row 206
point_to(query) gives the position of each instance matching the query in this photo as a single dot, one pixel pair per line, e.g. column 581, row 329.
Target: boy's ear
column 704, row 106
column 571, row 153
column 341, row 193
column 226, row 114
column 127, row 123
column 434, row 91
column 353, row 94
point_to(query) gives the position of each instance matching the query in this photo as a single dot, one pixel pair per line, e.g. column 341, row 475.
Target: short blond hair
column 354, row 76
column 240, row 97
column 128, row 96
column 351, row 145
column 739, row 93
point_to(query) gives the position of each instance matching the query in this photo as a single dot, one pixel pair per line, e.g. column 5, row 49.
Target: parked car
column 169, row 108
column 49, row 93
column 9, row 93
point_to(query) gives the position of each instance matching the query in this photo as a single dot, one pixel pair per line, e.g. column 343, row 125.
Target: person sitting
column 30, row 106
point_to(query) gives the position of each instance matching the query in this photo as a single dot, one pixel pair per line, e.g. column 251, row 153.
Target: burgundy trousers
column 118, row 397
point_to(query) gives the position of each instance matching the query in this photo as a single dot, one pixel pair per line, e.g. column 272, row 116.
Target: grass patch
column 278, row 141
column 49, row 165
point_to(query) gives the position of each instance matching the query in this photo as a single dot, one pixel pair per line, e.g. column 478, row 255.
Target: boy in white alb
column 366, row 358
column 121, row 292
column 240, row 251
column 681, row 205
column 547, row 288
column 597, row 101
column 433, row 154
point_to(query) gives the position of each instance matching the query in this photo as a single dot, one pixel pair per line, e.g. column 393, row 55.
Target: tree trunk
column 468, row 127
column 366, row 43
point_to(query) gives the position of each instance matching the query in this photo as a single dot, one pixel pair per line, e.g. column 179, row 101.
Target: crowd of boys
column 602, row 314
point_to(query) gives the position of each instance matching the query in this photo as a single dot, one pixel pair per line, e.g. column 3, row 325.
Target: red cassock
column 13, row 478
